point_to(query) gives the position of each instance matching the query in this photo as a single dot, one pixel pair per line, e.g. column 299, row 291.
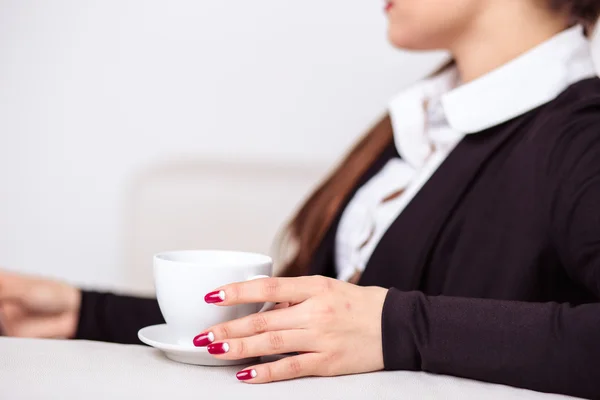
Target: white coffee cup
column 183, row 278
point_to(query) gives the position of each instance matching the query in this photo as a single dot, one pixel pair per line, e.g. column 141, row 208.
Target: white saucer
column 160, row 337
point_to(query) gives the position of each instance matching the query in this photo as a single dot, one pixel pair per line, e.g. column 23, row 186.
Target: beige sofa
column 210, row 204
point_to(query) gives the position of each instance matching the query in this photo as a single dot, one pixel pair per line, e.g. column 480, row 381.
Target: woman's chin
column 411, row 41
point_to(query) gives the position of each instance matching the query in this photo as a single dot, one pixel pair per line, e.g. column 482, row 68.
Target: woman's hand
column 34, row 307
column 334, row 326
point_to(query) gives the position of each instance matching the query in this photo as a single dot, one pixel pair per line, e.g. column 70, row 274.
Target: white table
column 64, row 370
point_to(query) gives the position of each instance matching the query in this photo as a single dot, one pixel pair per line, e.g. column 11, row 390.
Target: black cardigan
column 494, row 267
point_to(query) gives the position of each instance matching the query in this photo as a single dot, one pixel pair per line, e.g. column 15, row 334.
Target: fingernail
column 246, row 374
column 218, row 348
column 204, row 339
column 215, row 297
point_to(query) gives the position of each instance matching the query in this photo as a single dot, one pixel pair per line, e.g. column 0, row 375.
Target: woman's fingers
column 15, row 323
column 275, row 320
column 280, row 306
column 287, row 368
column 277, row 290
column 265, row 344
column 11, row 288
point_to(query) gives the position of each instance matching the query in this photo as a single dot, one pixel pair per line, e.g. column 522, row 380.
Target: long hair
column 314, row 218
column 585, row 12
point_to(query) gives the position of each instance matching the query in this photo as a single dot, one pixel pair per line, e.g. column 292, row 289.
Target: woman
column 464, row 229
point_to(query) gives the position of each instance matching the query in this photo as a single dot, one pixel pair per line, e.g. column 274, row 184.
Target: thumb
column 56, row 327
column 38, row 294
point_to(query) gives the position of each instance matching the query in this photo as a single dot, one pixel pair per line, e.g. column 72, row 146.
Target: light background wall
column 95, row 92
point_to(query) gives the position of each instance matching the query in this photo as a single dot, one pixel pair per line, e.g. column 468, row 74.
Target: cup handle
column 268, row 305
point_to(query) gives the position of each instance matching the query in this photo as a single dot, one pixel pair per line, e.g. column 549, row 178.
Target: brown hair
column 312, row 221
column 314, row 218
column 585, row 12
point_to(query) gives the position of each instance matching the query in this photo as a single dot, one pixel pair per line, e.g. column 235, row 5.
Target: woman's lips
column 388, row 6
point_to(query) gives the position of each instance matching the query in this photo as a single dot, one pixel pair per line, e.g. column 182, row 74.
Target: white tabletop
column 57, row 369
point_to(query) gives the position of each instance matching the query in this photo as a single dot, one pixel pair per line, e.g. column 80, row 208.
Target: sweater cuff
column 398, row 330
column 87, row 326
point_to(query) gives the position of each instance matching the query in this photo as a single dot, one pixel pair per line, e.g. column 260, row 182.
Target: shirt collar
column 408, row 115
column 525, row 83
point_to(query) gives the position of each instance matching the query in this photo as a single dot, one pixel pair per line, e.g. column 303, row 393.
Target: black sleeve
column 115, row 318
column 547, row 347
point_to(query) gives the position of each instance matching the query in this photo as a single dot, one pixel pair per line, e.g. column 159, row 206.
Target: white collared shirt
column 430, row 118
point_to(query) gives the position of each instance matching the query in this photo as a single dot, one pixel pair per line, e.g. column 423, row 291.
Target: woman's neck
column 498, row 37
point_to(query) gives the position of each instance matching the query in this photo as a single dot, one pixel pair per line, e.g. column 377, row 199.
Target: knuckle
column 331, row 358
column 259, row 323
column 233, row 292
column 325, row 310
column 268, row 373
column 223, row 332
column 270, row 286
column 323, row 284
column 276, row 341
column 324, row 313
column 328, row 367
column 242, row 349
column 294, row 366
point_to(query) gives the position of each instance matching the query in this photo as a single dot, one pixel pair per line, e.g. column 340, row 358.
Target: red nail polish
column 246, row 374
column 204, row 339
column 218, row 348
column 215, row 297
